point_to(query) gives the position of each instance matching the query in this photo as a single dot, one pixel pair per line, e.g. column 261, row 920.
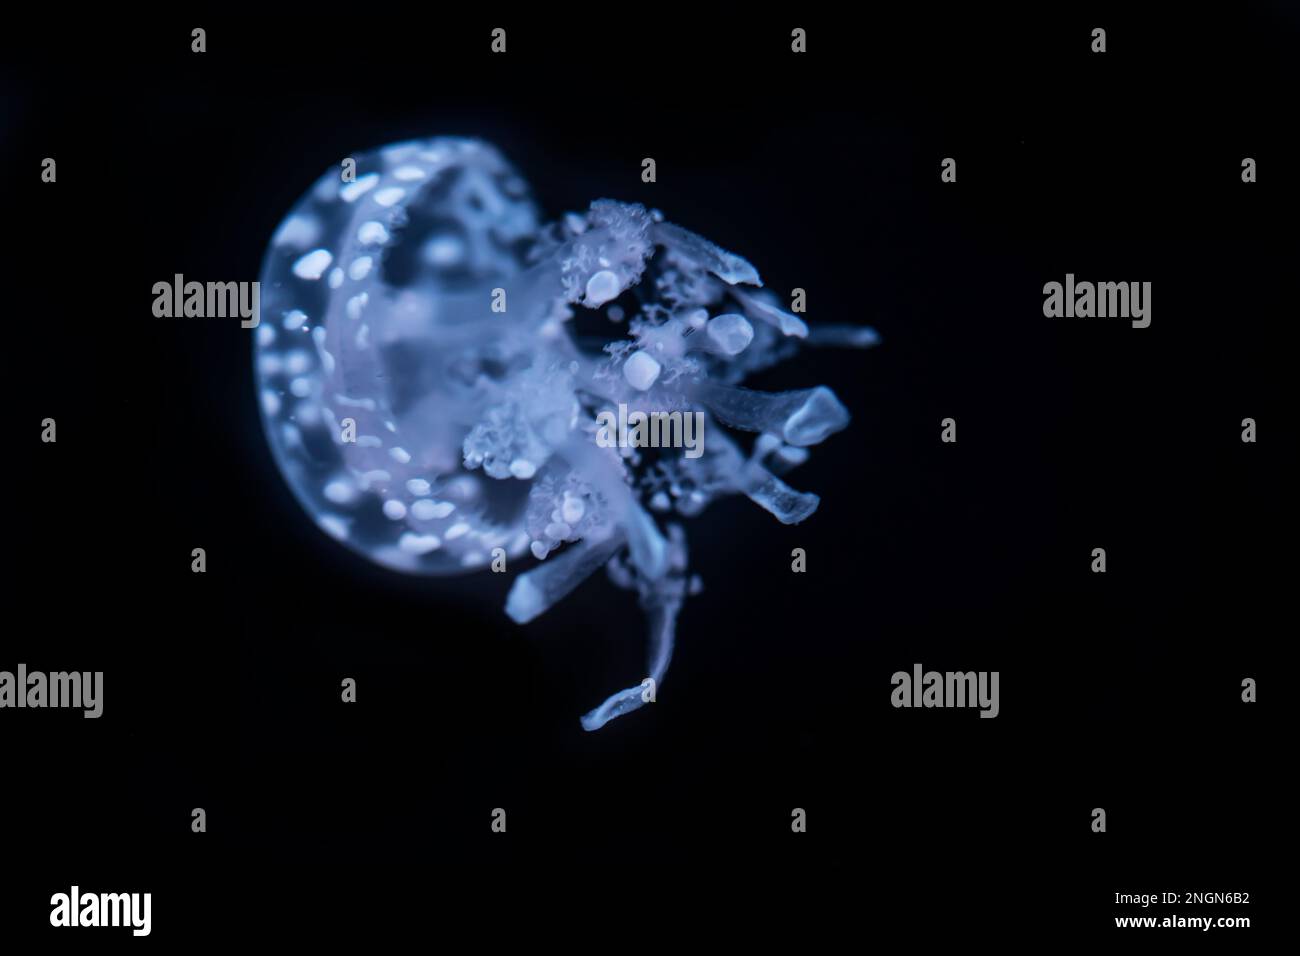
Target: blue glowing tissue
column 432, row 407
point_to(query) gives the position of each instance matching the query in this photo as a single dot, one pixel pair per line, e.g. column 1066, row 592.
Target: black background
column 1119, row 690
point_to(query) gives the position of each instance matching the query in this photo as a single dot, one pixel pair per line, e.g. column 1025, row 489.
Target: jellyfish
column 429, row 398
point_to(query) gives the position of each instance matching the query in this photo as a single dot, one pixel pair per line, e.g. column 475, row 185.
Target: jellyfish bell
column 379, row 331
column 430, row 407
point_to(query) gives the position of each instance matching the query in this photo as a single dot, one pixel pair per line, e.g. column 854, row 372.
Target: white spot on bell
column 426, row 509
column 351, row 192
column 313, row 265
column 413, row 543
column 372, row 233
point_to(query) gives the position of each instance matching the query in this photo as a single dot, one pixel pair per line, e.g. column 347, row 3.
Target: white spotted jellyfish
column 431, row 406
